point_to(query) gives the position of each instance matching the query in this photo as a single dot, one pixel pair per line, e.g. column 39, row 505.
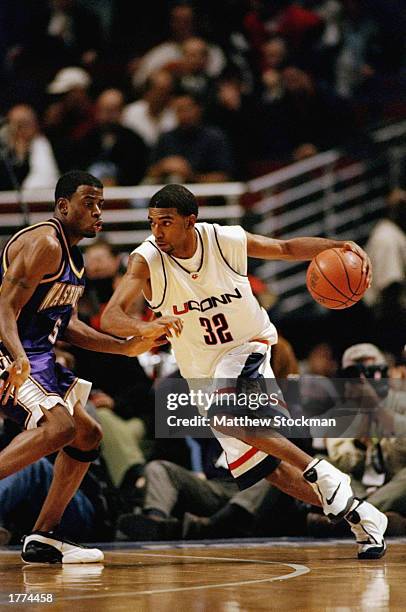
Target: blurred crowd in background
column 191, row 91
column 150, row 92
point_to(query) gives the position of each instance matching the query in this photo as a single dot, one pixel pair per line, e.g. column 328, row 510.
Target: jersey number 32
column 216, row 329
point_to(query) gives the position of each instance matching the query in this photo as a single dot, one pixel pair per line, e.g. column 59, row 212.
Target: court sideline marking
column 299, row 570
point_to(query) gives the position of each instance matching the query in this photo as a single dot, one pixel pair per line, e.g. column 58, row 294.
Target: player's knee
column 89, row 436
column 96, row 435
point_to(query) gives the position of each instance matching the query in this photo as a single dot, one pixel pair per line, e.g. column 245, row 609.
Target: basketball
column 335, row 279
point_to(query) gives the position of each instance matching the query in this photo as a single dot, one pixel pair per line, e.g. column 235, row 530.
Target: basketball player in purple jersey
column 42, row 279
column 199, row 271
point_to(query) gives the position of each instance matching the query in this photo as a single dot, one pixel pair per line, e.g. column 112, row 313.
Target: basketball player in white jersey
column 198, row 271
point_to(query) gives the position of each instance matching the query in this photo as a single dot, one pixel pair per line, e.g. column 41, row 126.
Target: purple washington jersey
column 44, row 318
column 48, row 311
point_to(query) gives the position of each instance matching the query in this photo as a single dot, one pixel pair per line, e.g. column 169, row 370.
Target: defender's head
column 172, row 214
column 79, row 202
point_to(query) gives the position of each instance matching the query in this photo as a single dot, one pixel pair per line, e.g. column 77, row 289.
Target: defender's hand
column 366, row 262
column 13, row 378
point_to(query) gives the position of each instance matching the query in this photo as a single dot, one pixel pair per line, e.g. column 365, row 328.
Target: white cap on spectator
column 362, row 351
column 69, row 78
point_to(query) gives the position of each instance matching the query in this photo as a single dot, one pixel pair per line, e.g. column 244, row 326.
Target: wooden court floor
column 303, row 575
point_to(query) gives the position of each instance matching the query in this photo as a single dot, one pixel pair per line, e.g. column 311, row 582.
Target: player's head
column 172, row 213
column 78, row 203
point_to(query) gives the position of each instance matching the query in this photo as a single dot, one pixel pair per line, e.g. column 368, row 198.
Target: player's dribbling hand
column 137, row 345
column 366, row 262
column 164, row 326
column 13, row 378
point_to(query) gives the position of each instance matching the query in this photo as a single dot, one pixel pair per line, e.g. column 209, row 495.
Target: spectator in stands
column 74, row 32
column 112, row 152
column 377, row 465
column 26, row 157
column 300, row 113
column 121, row 447
column 320, row 361
column 359, row 48
column 192, row 70
column 193, row 152
column 152, row 115
column 70, row 118
column 40, row 38
column 387, row 249
column 233, row 112
column 170, row 490
column 274, row 53
column 300, row 26
column 182, row 26
column 328, row 45
column 102, row 277
column 28, row 488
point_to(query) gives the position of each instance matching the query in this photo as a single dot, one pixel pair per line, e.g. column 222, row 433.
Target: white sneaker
column 332, row 486
column 368, row 525
column 42, row 547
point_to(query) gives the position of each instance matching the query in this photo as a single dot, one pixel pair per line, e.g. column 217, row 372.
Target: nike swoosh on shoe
column 329, row 500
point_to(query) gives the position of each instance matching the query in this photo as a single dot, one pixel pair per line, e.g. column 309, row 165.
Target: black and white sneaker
column 332, row 486
column 45, row 547
column 368, row 525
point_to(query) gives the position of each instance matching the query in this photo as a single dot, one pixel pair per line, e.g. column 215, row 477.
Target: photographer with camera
column 376, row 458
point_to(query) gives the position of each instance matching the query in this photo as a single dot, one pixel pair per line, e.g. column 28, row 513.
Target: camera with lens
column 376, row 374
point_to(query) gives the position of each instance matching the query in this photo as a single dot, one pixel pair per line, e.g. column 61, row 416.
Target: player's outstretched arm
column 84, row 336
column 304, row 248
column 116, row 318
column 35, row 258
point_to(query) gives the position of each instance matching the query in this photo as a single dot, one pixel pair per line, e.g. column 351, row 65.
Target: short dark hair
column 69, row 182
column 175, row 196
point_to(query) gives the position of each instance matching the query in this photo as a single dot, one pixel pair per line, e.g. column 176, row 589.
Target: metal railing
column 326, row 195
column 125, row 216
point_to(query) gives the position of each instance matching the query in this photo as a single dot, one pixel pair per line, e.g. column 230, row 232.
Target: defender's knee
column 88, row 437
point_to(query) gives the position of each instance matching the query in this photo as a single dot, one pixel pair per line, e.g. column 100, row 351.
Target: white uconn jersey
column 215, row 301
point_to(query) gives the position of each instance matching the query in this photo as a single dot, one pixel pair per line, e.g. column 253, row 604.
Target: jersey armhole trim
column 223, row 258
column 52, row 277
column 78, row 273
column 165, row 278
column 5, row 261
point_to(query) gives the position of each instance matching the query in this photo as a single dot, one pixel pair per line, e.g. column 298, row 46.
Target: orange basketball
column 335, row 280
